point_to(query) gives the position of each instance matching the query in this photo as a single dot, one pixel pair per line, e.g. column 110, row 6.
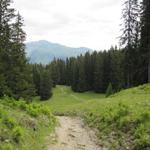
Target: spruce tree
column 98, row 73
column 75, row 77
column 53, row 66
column 36, row 71
column 45, row 85
column 93, row 68
column 7, row 14
column 145, row 43
column 82, row 84
column 130, row 16
column 17, row 79
column 88, row 71
column 42, row 81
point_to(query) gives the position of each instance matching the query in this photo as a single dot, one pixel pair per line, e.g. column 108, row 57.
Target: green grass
column 123, row 119
column 65, row 100
column 24, row 126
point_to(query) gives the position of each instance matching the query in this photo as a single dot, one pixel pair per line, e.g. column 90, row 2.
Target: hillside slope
column 44, row 51
column 122, row 120
column 24, row 126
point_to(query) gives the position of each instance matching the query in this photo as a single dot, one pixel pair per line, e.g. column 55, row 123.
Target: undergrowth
column 21, row 123
column 122, row 119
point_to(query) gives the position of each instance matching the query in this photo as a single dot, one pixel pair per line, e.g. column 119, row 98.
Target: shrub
column 123, row 123
column 7, row 146
column 32, row 110
column 142, row 143
column 9, row 122
column 22, row 104
column 17, row 133
column 145, row 117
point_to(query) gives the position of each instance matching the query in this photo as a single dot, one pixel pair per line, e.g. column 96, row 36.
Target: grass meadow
column 122, row 120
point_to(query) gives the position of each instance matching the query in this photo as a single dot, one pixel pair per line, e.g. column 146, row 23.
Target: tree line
column 15, row 74
column 115, row 68
column 18, row 78
column 93, row 71
column 125, row 67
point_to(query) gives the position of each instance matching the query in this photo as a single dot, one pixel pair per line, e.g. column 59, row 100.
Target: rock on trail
column 71, row 134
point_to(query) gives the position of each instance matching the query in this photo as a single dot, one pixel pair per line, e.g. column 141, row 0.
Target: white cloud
column 89, row 23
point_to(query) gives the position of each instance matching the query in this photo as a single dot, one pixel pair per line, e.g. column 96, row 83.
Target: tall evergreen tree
column 43, row 81
column 145, row 42
column 93, row 68
column 17, row 78
column 129, row 37
column 81, row 84
column 98, row 74
column 69, row 70
column 45, row 85
column 75, row 77
column 36, row 71
column 54, row 72
column 6, row 16
column 88, row 71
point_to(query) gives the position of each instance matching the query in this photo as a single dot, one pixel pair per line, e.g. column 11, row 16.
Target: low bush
column 17, row 118
column 17, row 134
column 7, row 146
column 9, row 122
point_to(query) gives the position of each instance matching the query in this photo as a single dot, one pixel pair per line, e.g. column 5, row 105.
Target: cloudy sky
column 76, row 23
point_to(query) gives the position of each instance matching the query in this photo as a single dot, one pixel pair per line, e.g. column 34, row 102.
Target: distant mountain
column 44, row 51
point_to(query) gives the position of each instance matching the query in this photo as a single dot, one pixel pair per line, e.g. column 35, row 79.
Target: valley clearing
column 71, row 134
column 121, row 121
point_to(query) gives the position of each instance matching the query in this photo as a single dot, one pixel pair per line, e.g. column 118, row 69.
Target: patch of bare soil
column 71, row 134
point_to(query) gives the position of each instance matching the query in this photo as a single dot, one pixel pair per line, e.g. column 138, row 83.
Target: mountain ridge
column 43, row 51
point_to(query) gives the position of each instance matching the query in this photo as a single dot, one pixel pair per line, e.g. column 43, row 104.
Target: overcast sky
column 75, row 23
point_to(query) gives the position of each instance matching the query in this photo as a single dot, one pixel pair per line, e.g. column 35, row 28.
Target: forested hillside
column 123, row 68
column 122, row 120
column 24, row 126
column 16, row 74
column 90, row 86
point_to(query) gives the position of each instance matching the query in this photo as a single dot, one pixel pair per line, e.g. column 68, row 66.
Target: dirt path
column 72, row 135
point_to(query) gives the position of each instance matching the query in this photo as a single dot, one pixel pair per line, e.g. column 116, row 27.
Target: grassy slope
column 24, row 126
column 65, row 100
column 123, row 120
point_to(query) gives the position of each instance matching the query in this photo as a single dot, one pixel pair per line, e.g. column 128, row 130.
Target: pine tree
column 93, row 68
column 36, row 71
column 19, row 78
column 88, row 71
column 42, row 81
column 116, row 74
column 98, row 73
column 53, row 66
column 145, row 43
column 75, row 77
column 62, row 71
column 82, row 85
column 107, row 70
column 45, row 85
column 6, row 16
column 130, row 37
